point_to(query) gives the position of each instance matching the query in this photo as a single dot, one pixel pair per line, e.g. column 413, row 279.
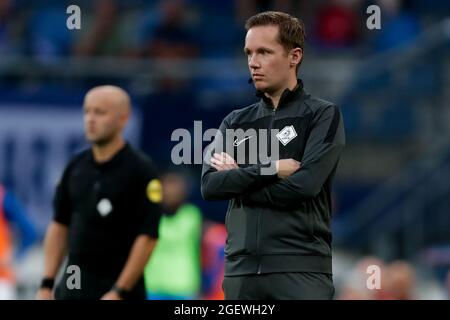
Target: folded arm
column 233, row 182
column 322, row 152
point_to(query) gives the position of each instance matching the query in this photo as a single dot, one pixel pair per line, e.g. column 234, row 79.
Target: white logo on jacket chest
column 239, row 142
column 104, row 207
column 286, row 135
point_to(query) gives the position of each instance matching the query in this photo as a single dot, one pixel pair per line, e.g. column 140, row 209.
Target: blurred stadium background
column 182, row 61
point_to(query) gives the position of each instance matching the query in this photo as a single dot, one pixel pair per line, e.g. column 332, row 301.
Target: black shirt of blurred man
column 105, row 206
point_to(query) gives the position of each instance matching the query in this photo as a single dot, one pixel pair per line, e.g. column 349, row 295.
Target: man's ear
column 124, row 118
column 296, row 56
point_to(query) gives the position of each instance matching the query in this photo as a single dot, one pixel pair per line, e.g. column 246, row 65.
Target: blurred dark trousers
column 280, row 286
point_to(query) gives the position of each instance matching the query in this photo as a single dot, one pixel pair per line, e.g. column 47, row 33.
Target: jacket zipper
column 258, row 218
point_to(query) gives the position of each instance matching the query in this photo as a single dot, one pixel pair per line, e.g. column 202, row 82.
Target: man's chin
column 97, row 141
column 260, row 86
column 90, row 138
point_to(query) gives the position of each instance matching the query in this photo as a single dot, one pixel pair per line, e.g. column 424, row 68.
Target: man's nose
column 253, row 62
column 89, row 118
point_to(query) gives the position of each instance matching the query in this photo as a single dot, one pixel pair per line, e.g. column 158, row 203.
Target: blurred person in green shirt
column 174, row 272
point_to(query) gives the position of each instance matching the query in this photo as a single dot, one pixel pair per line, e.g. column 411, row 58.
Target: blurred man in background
column 278, row 221
column 106, row 209
column 174, row 270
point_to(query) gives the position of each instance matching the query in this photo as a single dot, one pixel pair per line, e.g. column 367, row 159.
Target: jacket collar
column 114, row 161
column 286, row 97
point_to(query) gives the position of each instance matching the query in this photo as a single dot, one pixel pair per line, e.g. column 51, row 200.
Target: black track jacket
column 278, row 225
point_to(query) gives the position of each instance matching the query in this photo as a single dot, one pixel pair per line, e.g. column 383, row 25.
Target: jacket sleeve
column 229, row 184
column 322, row 151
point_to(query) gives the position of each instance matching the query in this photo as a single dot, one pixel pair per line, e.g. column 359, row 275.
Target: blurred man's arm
column 134, row 267
column 55, row 245
column 148, row 202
